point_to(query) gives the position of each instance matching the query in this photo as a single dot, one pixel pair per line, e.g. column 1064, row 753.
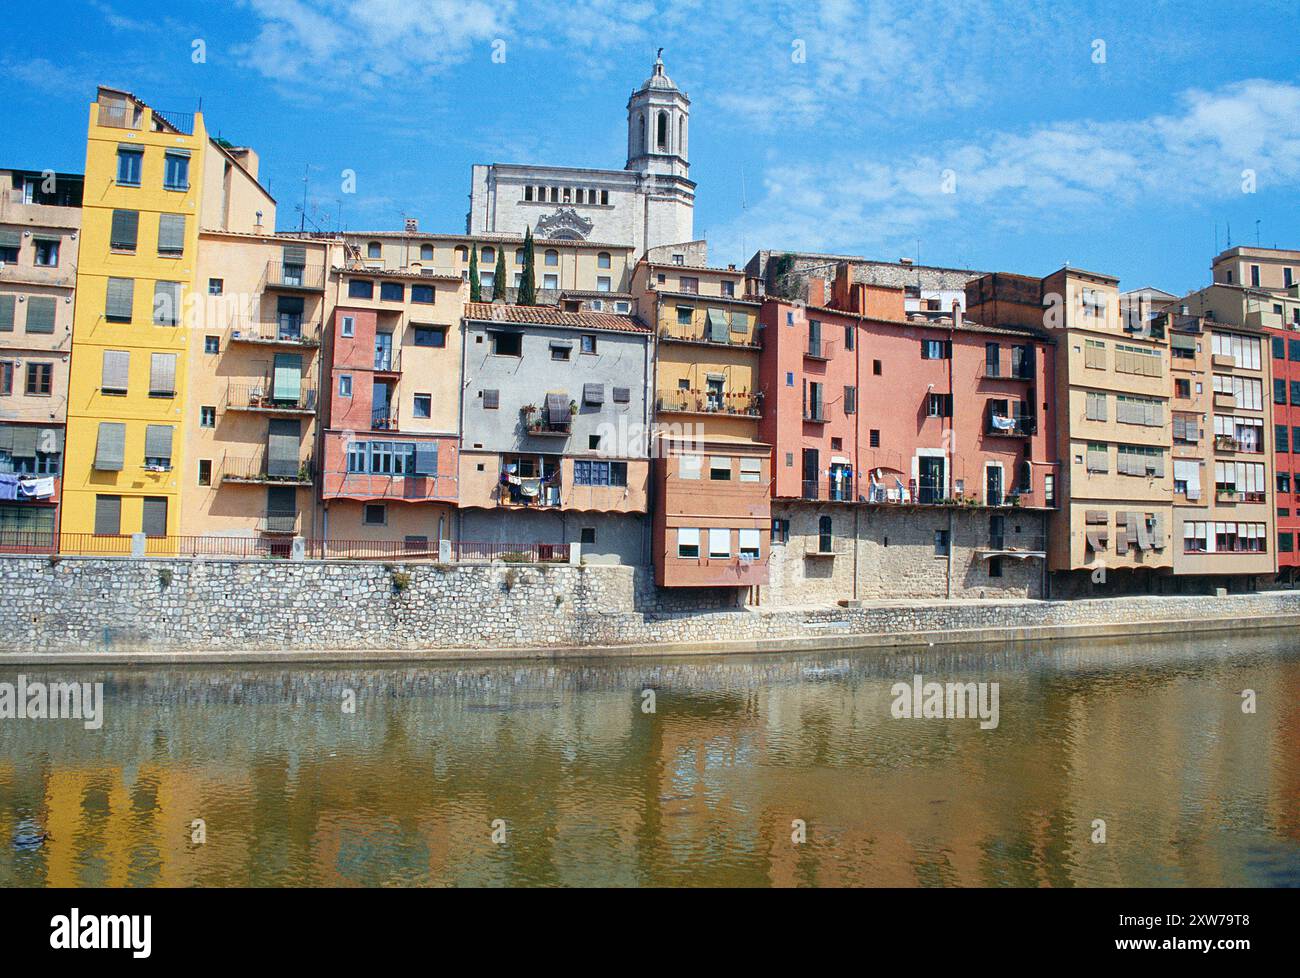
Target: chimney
column 412, row 226
column 956, row 312
column 816, row 291
column 246, row 158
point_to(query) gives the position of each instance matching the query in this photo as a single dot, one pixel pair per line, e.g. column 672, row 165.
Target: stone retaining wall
column 88, row 605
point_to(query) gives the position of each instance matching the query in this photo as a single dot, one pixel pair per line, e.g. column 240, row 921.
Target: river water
column 528, row 773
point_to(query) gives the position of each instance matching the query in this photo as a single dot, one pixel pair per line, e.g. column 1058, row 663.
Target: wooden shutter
column 282, row 438
column 108, row 515
column 158, row 442
column 110, row 448
column 171, row 234
column 40, row 314
column 116, row 371
column 121, row 295
column 153, row 520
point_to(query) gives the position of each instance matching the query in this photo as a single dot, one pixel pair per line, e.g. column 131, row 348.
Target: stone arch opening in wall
column 681, row 135
column 641, row 123
column 661, row 139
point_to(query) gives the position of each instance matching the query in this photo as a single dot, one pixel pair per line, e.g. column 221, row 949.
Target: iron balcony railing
column 261, row 468
column 286, row 275
column 181, row 122
column 1006, row 369
column 286, row 331
column 280, row 522
column 701, row 334
column 119, row 115
column 745, row 405
column 1015, row 426
column 388, row 360
column 819, row 349
column 262, row 396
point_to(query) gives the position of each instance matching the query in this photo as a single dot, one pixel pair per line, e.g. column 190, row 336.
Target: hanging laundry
column 37, row 488
column 8, row 486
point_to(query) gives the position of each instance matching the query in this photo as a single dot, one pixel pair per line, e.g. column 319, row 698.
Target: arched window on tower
column 661, row 138
column 681, row 135
column 641, row 123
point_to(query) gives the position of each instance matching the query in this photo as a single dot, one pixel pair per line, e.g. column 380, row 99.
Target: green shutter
column 717, row 320
column 125, row 230
column 282, row 438
column 6, row 313
column 171, row 234
column 110, row 449
column 11, row 239
column 121, row 294
column 40, row 314
column 24, row 441
column 287, row 381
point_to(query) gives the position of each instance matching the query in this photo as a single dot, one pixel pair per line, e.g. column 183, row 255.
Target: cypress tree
column 475, row 288
column 499, row 276
column 527, row 287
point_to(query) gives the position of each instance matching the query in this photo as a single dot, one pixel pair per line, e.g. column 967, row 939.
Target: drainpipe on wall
column 952, row 441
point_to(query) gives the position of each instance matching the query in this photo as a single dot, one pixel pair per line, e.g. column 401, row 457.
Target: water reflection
column 292, row 789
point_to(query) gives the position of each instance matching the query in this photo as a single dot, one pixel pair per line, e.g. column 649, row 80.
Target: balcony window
column 433, row 336
column 360, row 288
column 130, row 160
column 422, row 294
column 422, row 406
column 176, row 170
column 508, row 344
column 392, row 291
column 47, row 252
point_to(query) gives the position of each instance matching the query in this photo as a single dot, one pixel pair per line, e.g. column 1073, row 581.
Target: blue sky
column 1123, row 164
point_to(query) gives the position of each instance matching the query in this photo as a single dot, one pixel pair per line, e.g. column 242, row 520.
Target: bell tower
column 658, row 125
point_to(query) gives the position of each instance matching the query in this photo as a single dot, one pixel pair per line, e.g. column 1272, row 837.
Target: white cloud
column 1052, row 175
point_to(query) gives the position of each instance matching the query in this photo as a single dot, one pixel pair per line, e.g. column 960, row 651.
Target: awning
column 557, row 408
column 593, row 393
column 10, row 239
column 1180, row 341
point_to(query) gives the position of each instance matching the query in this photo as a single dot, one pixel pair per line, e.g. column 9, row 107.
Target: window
column 588, row 536
column 729, row 289
column 874, row 438
column 361, row 288
column 688, row 543
column 780, row 531
column 1281, row 438
column 108, row 515
column 528, row 192
column 603, row 283
column 129, row 162
column 39, row 379
column 876, row 367
column 125, row 231
column 850, row 400
column 602, row 260
column 689, row 466
column 848, row 336
column 374, row 249
column 176, row 170
column 423, row 406
column 171, row 235
column 40, row 314
column 426, row 252
column 349, row 326
column 560, row 351
column 205, row 471
column 941, row 546
column 423, row 294
column 207, row 417
column 751, row 470
column 435, row 336
column 995, row 567
column 825, row 540
column 684, row 314
column 166, row 303
column 1182, row 388
column 750, row 545
column 719, row 542
column 689, row 284
column 1254, row 275
column 1293, row 350
column 491, row 400
column 599, row 472
column 588, row 343
column 720, row 468
column 392, row 291
column 940, row 406
column 162, row 375
column 551, row 258
column 211, row 344
column 114, row 372
column 550, row 282
column 936, row 349
column 1284, row 482
column 6, row 378
column 47, row 252
column 376, row 514
column 345, row 385
column 508, row 344
column 1284, row 540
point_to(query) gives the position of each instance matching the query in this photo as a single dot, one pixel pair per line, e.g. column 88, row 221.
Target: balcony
column 1224, row 494
column 815, row 414
column 279, row 522
column 1016, row 426
column 388, row 361
column 286, row 332
column 120, row 115
column 819, row 349
column 834, row 490
column 702, row 336
column 261, row 470
column 1006, row 369
column 383, row 422
column 748, row 406
column 264, row 399
column 1019, row 546
column 1224, row 400
column 1223, row 360
column 283, row 277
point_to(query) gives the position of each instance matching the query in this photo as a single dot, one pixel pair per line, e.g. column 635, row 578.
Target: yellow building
column 153, row 179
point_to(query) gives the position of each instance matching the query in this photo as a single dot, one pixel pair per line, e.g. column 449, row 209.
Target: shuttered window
column 162, row 375
column 426, row 458
column 171, row 234
column 1096, row 406
column 166, row 303
column 491, row 400
column 718, row 327
column 153, row 519
column 118, row 302
column 622, row 395
column 110, row 447
column 7, row 305
column 125, row 230
column 40, row 314
column 295, row 255
column 108, row 515
column 158, row 445
column 593, row 393
column 282, row 439
column 287, row 382
column 116, row 371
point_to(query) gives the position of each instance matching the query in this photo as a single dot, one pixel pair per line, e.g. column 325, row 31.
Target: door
column 383, row 351
column 811, row 472
column 282, row 439
column 289, row 313
column 153, row 519
column 930, row 488
column 286, row 383
column 997, row 531
column 993, row 485
column 281, row 509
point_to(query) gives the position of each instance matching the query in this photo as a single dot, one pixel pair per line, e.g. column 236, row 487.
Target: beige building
column 40, row 224
column 1222, row 448
column 1111, row 406
column 1273, row 269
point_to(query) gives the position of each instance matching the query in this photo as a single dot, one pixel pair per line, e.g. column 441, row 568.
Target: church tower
column 658, row 126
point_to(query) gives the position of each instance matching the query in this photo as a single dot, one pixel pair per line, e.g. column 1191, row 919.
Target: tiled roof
column 501, row 312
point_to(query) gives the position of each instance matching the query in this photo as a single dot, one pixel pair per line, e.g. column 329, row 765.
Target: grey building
column 554, row 426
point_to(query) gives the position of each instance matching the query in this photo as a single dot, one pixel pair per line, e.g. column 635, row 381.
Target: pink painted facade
column 882, row 408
